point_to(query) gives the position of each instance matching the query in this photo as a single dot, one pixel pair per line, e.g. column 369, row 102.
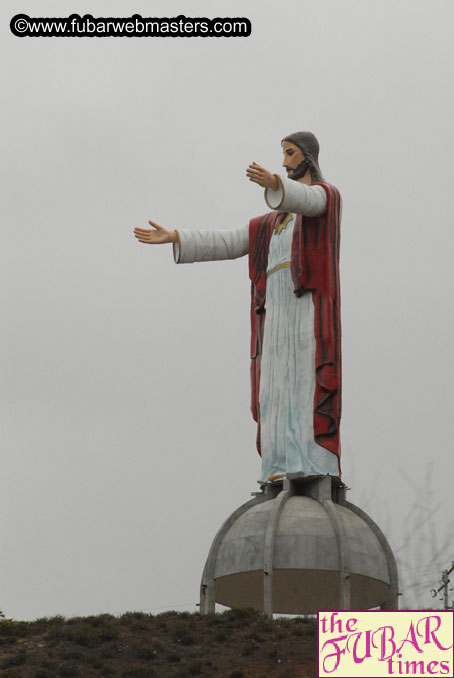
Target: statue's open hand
column 261, row 176
column 158, row 236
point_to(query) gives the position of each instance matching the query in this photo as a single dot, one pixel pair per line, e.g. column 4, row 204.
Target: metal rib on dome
column 297, row 548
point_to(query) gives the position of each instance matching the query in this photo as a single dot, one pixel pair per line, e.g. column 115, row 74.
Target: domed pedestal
column 297, row 547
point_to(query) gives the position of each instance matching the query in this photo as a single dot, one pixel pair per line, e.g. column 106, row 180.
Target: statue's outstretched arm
column 197, row 245
column 287, row 195
column 294, row 196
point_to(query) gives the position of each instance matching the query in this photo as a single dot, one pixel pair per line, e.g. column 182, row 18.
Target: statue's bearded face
column 293, row 157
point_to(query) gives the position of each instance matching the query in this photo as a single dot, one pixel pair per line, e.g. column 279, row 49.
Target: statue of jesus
column 295, row 309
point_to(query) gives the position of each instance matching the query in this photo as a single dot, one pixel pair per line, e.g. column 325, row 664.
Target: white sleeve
column 293, row 196
column 211, row 245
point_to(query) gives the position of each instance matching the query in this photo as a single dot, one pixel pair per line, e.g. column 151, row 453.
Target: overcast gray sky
column 126, row 432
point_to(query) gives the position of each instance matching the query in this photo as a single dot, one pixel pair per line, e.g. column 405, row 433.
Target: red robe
column 314, row 267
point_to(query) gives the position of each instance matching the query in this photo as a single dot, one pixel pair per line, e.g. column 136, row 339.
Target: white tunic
column 287, row 381
column 287, row 375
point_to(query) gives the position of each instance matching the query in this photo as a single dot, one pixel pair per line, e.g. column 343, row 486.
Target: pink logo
column 385, row 643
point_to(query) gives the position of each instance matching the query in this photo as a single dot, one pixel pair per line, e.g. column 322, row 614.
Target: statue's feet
column 276, row 476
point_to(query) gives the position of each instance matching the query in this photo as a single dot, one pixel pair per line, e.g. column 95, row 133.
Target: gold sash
column 286, row 264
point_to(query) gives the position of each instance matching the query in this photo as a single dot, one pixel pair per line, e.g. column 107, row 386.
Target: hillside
column 235, row 644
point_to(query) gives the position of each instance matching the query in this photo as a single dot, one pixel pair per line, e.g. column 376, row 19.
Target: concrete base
column 298, row 547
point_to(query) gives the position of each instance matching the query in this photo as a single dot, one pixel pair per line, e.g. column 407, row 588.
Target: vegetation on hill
column 235, row 644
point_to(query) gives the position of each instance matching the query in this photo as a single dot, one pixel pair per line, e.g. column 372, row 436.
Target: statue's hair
column 308, row 143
